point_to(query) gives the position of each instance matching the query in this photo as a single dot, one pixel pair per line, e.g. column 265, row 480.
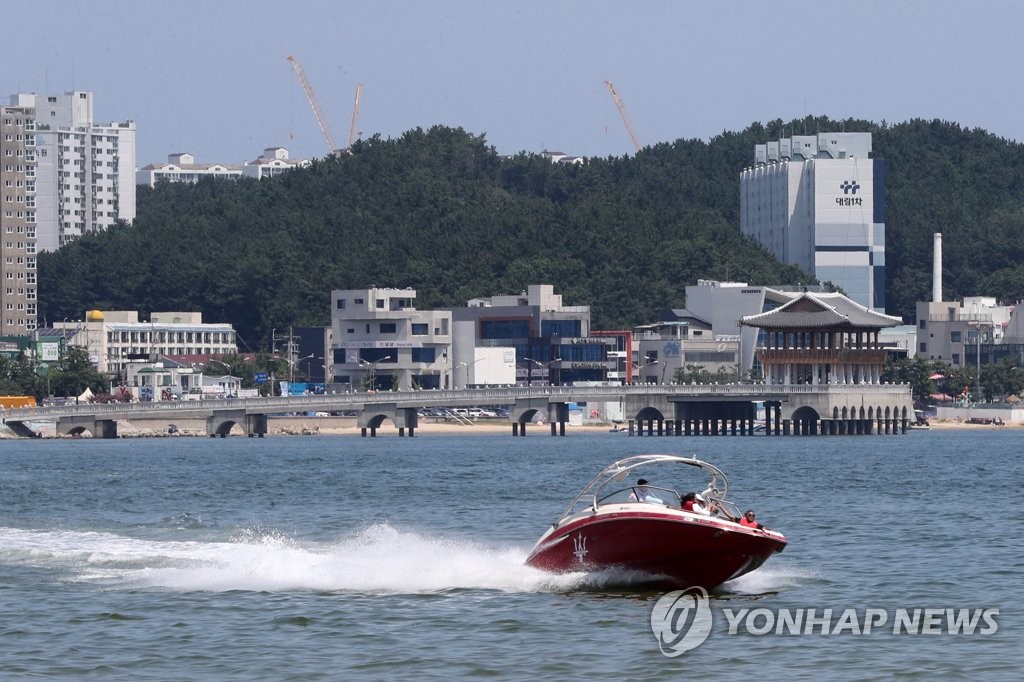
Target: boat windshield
column 667, row 479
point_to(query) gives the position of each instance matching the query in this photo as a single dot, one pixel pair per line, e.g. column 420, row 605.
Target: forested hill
column 441, row 212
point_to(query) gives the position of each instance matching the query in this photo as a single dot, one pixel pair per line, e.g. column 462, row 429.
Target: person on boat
column 750, row 519
column 641, row 493
column 694, row 502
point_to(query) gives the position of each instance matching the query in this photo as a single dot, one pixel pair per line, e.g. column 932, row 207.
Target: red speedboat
column 621, row 521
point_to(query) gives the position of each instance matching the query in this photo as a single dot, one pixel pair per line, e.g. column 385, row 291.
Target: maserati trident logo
column 849, row 186
column 580, row 544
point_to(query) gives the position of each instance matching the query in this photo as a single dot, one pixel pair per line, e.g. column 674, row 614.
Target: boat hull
column 669, row 549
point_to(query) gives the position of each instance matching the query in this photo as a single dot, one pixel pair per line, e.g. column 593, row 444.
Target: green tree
column 74, row 372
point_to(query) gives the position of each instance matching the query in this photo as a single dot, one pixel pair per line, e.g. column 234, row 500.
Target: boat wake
column 379, row 559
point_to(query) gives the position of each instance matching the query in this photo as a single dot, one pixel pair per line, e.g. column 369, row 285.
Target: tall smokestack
column 937, row 269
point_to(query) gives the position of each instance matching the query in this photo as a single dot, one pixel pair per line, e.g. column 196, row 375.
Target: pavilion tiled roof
column 821, row 311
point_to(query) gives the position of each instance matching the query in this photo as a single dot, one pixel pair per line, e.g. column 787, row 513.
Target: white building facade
column 381, row 341
column 182, row 167
column 116, row 338
column 273, row 161
column 85, row 170
column 818, row 202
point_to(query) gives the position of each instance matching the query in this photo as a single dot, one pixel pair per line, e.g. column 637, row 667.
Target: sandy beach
column 346, row 426
column 299, row 426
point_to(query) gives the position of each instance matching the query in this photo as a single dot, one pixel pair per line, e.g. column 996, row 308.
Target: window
column 388, row 328
column 955, row 337
column 341, row 304
column 956, row 359
column 924, row 348
column 419, row 329
column 424, row 354
column 358, row 301
column 380, row 303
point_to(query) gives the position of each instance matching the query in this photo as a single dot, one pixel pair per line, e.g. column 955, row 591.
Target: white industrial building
column 818, row 202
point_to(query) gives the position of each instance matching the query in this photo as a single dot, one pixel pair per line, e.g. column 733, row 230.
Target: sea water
column 337, row 557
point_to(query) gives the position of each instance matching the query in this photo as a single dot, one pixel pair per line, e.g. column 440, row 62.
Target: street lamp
column 309, row 367
column 467, row 365
column 640, row 371
column 373, row 369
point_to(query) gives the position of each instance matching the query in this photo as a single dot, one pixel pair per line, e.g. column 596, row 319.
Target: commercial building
column 552, row 341
column 381, row 341
column 818, row 202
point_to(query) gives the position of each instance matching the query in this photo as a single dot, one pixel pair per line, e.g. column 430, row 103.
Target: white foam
column 377, row 559
column 771, row 577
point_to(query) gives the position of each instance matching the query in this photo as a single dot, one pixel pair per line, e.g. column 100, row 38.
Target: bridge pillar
column 99, row 428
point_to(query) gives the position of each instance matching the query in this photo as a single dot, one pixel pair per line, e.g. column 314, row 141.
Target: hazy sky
column 212, row 78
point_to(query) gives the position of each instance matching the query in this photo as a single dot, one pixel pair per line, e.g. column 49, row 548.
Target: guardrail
column 335, row 402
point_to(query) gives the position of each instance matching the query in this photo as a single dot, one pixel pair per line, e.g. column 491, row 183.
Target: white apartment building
column 116, row 338
column 18, row 220
column 381, row 341
column 818, row 202
column 182, row 167
column 84, row 170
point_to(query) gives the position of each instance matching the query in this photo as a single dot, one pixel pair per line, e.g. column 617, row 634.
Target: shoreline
column 346, row 426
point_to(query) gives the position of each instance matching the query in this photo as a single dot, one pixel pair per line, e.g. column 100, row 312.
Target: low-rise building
column 381, row 341
column 182, row 167
column 273, row 161
column 116, row 338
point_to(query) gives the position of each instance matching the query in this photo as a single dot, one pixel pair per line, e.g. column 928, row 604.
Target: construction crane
column 311, row 96
column 624, row 114
column 353, row 132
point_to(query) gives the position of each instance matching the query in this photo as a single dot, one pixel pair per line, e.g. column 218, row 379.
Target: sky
column 212, row 78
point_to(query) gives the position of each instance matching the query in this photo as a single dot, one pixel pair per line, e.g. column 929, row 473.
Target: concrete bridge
column 665, row 409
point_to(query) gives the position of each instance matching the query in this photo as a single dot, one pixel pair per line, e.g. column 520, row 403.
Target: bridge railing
column 334, row 402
